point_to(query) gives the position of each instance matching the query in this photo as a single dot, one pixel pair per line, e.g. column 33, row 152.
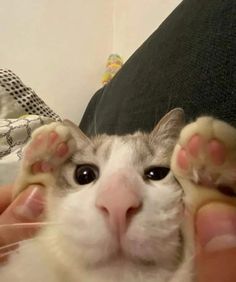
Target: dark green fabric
column 189, row 62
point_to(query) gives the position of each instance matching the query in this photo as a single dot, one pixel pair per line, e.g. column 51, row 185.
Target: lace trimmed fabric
column 21, row 112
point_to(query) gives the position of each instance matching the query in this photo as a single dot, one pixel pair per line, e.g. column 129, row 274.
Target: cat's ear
column 76, row 132
column 169, row 126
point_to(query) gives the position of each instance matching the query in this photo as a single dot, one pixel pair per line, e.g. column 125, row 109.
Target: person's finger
column 5, row 197
column 216, row 243
column 216, row 227
column 26, row 208
column 218, row 266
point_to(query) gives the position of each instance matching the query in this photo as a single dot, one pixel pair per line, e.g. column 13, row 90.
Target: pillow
column 188, row 62
column 17, row 99
column 21, row 112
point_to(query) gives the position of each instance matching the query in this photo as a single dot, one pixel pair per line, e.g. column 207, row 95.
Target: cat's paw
column 204, row 160
column 48, row 148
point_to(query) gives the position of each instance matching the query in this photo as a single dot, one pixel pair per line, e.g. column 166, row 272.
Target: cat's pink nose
column 119, row 200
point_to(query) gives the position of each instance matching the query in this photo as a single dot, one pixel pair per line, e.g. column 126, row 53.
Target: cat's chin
column 133, row 247
column 122, row 258
column 140, row 253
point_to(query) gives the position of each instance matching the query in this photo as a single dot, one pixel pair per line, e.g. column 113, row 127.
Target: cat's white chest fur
column 29, row 263
column 34, row 263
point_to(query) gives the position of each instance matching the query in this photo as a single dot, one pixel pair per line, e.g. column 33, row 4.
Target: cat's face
column 116, row 200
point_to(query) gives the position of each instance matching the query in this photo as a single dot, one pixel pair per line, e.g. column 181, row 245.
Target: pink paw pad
column 53, row 136
column 39, row 139
column 216, row 151
column 62, row 150
column 196, row 145
column 182, row 159
column 41, row 166
column 35, row 144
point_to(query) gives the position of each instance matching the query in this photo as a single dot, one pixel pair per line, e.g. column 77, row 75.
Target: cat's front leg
column 204, row 162
column 49, row 147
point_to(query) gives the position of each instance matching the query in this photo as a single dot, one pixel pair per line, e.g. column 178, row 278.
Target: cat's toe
column 42, row 167
column 216, row 150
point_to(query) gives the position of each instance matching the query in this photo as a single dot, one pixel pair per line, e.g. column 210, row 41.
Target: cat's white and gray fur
column 80, row 244
column 123, row 226
column 126, row 224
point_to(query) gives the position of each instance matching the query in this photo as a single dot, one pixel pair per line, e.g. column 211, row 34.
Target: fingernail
column 216, row 227
column 222, row 242
column 32, row 206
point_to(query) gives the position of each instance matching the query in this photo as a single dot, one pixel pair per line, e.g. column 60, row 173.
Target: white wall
column 135, row 20
column 60, row 47
column 57, row 47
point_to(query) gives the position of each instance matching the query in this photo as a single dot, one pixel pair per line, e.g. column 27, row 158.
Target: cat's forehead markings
column 102, row 146
column 107, row 146
column 132, row 148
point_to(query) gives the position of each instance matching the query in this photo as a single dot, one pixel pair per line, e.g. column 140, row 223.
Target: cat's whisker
column 29, row 224
column 12, row 245
column 8, row 246
column 5, row 255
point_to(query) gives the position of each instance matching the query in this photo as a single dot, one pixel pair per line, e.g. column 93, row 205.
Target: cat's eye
column 85, row 174
column 156, row 172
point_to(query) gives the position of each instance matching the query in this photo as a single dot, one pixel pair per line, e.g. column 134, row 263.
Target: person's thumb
column 216, row 243
column 26, row 208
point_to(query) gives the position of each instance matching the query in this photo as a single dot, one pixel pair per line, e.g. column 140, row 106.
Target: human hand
column 216, row 243
column 17, row 217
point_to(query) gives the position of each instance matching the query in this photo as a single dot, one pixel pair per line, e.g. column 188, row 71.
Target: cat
column 116, row 212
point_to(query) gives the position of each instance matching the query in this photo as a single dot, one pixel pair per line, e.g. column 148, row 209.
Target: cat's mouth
column 123, row 258
column 143, row 254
